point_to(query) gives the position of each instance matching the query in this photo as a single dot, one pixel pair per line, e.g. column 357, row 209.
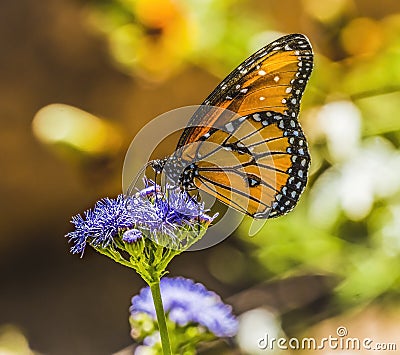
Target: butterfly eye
column 158, row 165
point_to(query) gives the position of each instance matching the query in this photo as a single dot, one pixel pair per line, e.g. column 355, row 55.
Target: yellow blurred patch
column 362, row 36
column 63, row 124
column 326, row 11
column 13, row 342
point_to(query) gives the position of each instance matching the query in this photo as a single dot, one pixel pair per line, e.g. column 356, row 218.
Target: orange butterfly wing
column 256, row 161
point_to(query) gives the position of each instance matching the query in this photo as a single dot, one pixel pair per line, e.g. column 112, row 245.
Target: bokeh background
column 117, row 64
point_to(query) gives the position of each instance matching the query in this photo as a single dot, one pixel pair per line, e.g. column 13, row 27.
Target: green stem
column 162, row 324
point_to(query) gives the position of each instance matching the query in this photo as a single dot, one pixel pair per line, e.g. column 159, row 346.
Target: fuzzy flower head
column 168, row 218
column 101, row 225
column 171, row 218
column 187, row 304
column 142, row 231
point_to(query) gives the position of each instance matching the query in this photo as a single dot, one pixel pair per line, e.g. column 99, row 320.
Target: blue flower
column 161, row 215
column 100, row 225
column 150, row 212
column 186, row 302
column 132, row 236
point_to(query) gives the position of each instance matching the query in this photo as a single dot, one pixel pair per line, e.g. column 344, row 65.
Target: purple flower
column 132, row 236
column 164, row 214
column 100, row 225
column 186, row 302
column 149, row 212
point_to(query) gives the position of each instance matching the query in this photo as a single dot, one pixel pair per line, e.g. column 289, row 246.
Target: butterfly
column 244, row 145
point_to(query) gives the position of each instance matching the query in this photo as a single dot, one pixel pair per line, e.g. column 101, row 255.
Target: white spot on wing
column 229, row 127
column 257, row 117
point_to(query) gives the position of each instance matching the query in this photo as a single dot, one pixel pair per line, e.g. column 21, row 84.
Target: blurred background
column 117, row 64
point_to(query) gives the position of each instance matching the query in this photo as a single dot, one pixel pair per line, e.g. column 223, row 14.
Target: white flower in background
column 340, row 122
column 254, row 325
column 371, row 173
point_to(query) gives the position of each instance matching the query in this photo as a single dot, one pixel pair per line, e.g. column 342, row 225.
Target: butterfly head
column 158, row 165
column 177, row 172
